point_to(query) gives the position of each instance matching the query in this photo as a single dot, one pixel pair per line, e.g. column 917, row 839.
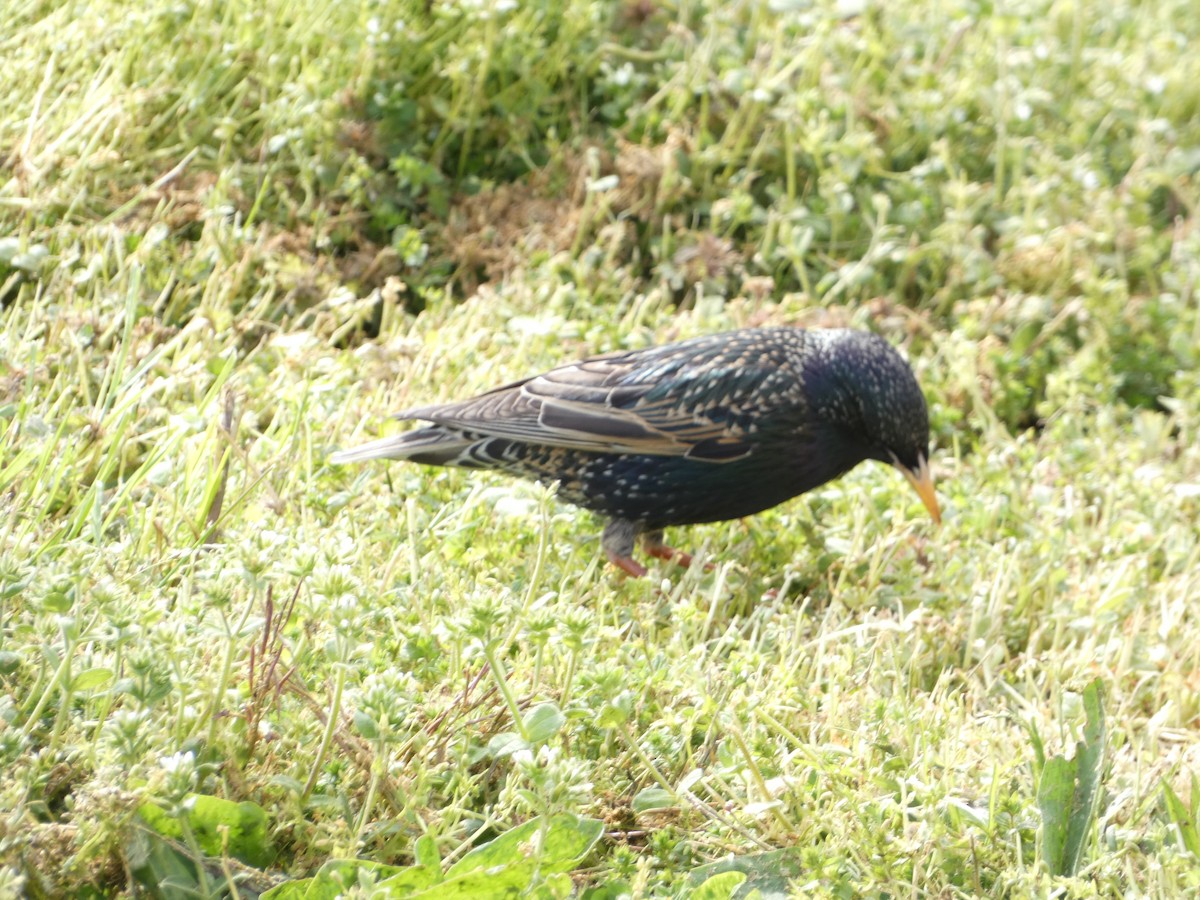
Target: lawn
column 235, row 236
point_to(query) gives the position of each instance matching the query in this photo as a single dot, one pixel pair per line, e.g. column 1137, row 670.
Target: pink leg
column 662, row 551
column 656, row 548
column 617, row 541
column 626, row 564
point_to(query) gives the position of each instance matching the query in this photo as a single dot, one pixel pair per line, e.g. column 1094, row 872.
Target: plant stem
column 489, row 651
column 335, row 708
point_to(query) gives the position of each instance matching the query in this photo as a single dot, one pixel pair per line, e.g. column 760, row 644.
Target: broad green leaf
column 92, row 679
column 57, row 601
column 616, row 712
column 1182, row 818
column 214, row 822
column 289, row 890
column 333, row 880
column 1089, row 763
column 506, row 866
column 543, row 722
column 504, row 882
column 426, row 853
column 366, row 726
column 554, row 887
column 767, row 874
column 505, row 743
column 557, row 847
column 1056, row 792
column 161, row 869
column 653, row 798
column 512, row 881
column 413, row 880
column 1069, row 791
column 11, row 584
column 613, row 890
column 719, row 887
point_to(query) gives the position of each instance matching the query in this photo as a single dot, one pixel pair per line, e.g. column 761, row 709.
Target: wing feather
column 697, row 401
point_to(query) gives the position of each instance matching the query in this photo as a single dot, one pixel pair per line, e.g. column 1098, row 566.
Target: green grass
column 234, row 236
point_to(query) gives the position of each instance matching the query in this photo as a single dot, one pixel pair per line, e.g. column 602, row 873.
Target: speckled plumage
column 712, row 428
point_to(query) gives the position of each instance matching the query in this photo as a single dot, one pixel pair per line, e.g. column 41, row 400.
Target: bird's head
column 858, row 384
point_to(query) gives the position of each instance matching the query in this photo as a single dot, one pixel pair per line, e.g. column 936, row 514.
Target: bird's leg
column 618, row 540
column 655, row 547
column 653, row 542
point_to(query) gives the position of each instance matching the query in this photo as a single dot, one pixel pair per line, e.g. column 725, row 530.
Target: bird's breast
column 660, row 491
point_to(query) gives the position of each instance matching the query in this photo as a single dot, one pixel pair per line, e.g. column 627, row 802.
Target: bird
column 712, row 428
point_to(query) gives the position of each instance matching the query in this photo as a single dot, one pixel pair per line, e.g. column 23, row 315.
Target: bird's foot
column 655, row 547
column 662, row 551
column 627, row 564
column 618, row 541
column 620, row 536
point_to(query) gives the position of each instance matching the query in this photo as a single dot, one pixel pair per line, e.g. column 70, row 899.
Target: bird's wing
column 700, row 406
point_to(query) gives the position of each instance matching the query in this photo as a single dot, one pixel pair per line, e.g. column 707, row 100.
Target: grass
column 233, row 236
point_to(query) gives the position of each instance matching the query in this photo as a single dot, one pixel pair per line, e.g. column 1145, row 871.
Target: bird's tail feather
column 434, row 446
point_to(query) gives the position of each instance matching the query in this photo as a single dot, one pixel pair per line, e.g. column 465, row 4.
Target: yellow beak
column 922, row 480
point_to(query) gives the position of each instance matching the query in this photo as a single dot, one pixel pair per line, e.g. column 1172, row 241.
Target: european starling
column 712, row 428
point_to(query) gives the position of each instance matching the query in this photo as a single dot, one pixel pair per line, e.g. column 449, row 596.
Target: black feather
column 712, row 428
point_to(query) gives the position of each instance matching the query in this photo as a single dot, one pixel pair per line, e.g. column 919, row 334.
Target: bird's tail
column 435, row 446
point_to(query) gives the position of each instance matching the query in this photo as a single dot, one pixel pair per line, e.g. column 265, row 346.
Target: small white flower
column 603, row 184
column 177, row 762
column 622, row 75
